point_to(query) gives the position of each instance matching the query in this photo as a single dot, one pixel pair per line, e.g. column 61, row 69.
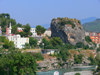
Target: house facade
column 17, row 39
column 34, row 34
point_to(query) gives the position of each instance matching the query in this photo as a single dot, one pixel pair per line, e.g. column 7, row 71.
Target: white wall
column 18, row 41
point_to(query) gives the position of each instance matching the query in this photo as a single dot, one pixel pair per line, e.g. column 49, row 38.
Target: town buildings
column 34, row 34
column 17, row 39
column 47, row 33
column 20, row 29
column 95, row 37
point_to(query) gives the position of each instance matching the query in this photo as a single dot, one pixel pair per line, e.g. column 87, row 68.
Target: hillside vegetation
column 92, row 26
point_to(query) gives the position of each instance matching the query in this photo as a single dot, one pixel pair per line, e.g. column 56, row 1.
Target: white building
column 33, row 32
column 17, row 39
column 47, row 32
column 87, row 33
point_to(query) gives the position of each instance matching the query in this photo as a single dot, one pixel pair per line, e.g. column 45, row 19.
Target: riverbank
column 65, row 70
column 81, row 72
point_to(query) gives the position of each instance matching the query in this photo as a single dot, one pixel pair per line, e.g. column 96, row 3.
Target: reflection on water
column 64, row 70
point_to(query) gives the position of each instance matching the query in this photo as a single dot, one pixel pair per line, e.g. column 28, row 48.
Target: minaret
column 10, row 29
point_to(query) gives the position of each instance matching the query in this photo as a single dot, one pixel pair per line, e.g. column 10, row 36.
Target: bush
column 88, row 40
column 38, row 56
column 98, row 49
column 2, row 38
column 91, row 48
column 79, row 44
column 78, row 59
column 79, row 21
column 63, row 22
column 93, row 61
column 97, row 57
column 77, row 74
column 85, row 47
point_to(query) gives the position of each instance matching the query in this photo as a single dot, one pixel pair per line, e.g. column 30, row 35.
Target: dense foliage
column 5, row 20
column 63, row 22
column 2, row 38
column 17, row 63
column 98, row 49
column 27, row 46
column 78, row 58
column 77, row 74
column 4, row 23
column 40, row 30
column 56, row 41
column 88, row 40
column 92, row 26
column 32, row 41
column 93, row 61
column 26, row 31
column 37, row 56
column 7, row 44
column 14, row 29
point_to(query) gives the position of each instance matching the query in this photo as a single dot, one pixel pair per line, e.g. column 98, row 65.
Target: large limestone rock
column 66, row 32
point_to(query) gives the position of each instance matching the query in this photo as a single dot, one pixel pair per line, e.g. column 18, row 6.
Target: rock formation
column 69, row 30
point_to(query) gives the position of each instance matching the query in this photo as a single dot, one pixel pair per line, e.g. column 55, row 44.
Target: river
column 64, row 70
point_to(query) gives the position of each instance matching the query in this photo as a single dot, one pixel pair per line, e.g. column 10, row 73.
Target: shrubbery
column 93, row 61
column 88, row 40
column 98, row 49
column 77, row 74
column 37, row 56
column 63, row 22
column 78, row 58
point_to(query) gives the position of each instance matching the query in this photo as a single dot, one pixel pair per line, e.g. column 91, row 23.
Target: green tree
column 19, row 25
column 11, row 44
column 13, row 22
column 88, row 40
column 6, row 43
column 40, row 30
column 93, row 61
column 77, row 74
column 97, row 57
column 21, row 33
column 32, row 41
column 56, row 41
column 68, row 46
column 46, row 42
column 98, row 49
column 27, row 46
column 78, row 58
column 2, row 38
column 14, row 29
column 27, row 30
column 17, row 63
column 38, row 56
column 79, row 44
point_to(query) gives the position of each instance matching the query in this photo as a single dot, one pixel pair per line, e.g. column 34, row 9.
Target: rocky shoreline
column 81, row 72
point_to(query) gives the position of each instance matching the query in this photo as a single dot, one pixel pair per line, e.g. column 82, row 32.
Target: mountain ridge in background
column 93, row 26
column 83, row 21
column 86, row 20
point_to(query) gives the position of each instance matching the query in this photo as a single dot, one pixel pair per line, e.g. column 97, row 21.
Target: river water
column 64, row 70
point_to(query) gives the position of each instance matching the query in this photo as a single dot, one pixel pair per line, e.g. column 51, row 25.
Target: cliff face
column 69, row 30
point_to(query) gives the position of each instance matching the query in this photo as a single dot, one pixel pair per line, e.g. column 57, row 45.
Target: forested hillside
column 92, row 26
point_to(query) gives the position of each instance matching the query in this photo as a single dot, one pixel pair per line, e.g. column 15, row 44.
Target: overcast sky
column 39, row 12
